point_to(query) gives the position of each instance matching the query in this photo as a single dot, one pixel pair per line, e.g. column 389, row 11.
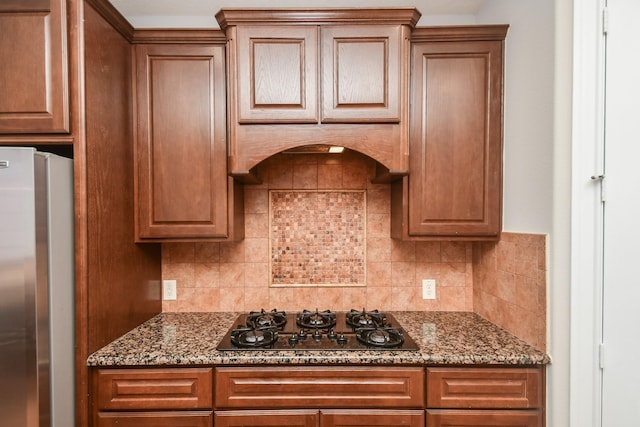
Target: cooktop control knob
column 293, row 339
column 332, row 335
column 317, row 335
column 342, row 340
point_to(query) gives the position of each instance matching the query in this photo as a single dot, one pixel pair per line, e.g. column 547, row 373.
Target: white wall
column 537, row 156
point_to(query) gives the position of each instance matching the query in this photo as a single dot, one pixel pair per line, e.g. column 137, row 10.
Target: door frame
column 585, row 376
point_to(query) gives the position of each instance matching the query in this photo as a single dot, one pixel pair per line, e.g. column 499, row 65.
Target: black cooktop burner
column 366, row 319
column 247, row 337
column 317, row 330
column 261, row 319
column 316, row 320
column 380, row 337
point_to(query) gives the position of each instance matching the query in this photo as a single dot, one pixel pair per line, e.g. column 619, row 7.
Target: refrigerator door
column 27, row 288
column 19, row 392
column 59, row 210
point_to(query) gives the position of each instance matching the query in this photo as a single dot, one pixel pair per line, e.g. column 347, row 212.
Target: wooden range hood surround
column 301, row 77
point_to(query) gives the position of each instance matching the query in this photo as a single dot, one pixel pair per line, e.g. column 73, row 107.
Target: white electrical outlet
column 169, row 290
column 428, row 288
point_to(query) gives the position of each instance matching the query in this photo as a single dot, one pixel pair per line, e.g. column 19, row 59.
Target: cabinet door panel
column 33, row 65
column 251, row 418
column 181, row 142
column 277, row 74
column 361, row 71
column 484, row 418
column 371, row 418
column 154, row 419
column 455, row 181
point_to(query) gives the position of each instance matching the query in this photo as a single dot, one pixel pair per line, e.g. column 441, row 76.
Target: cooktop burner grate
column 317, row 330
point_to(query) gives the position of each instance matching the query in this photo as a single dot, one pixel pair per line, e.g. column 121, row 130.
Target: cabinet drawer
column 319, row 387
column 267, row 418
column 484, row 388
column 155, row 419
column 179, row 388
column 484, row 418
column 371, row 418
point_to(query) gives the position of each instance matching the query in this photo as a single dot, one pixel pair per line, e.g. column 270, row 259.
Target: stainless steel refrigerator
column 36, row 289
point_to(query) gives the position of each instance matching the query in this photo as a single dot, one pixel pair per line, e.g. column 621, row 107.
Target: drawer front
column 484, row 418
column 484, row 388
column 154, row 419
column 319, row 387
column 179, row 388
column 371, row 418
column 267, row 418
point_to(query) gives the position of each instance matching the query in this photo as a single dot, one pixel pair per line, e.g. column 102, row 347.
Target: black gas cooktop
column 317, row 330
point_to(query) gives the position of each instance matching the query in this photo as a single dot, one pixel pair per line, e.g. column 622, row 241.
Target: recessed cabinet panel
column 453, row 145
column 361, row 73
column 277, row 74
column 33, row 65
column 181, row 142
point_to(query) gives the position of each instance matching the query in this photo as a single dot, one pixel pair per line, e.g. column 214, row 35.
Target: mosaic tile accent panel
column 318, row 238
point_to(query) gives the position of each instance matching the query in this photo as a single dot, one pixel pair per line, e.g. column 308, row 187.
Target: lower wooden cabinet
column 155, row 419
column 481, row 396
column 386, row 418
column 266, row 418
column 322, row 418
column 153, row 397
column 483, row 418
column 319, row 396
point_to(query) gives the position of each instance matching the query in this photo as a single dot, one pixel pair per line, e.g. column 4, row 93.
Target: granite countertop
column 191, row 339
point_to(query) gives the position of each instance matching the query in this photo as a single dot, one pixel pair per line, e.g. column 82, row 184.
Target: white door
column 621, row 274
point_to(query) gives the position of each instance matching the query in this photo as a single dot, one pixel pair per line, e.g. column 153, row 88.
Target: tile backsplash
column 510, row 285
column 317, row 237
column 236, row 276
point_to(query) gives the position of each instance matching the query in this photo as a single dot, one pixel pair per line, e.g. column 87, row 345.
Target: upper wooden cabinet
column 182, row 188
column 454, row 187
column 305, row 77
column 278, row 70
column 34, row 83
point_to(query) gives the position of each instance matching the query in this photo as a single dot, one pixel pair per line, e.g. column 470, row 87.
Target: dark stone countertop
column 190, row 339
